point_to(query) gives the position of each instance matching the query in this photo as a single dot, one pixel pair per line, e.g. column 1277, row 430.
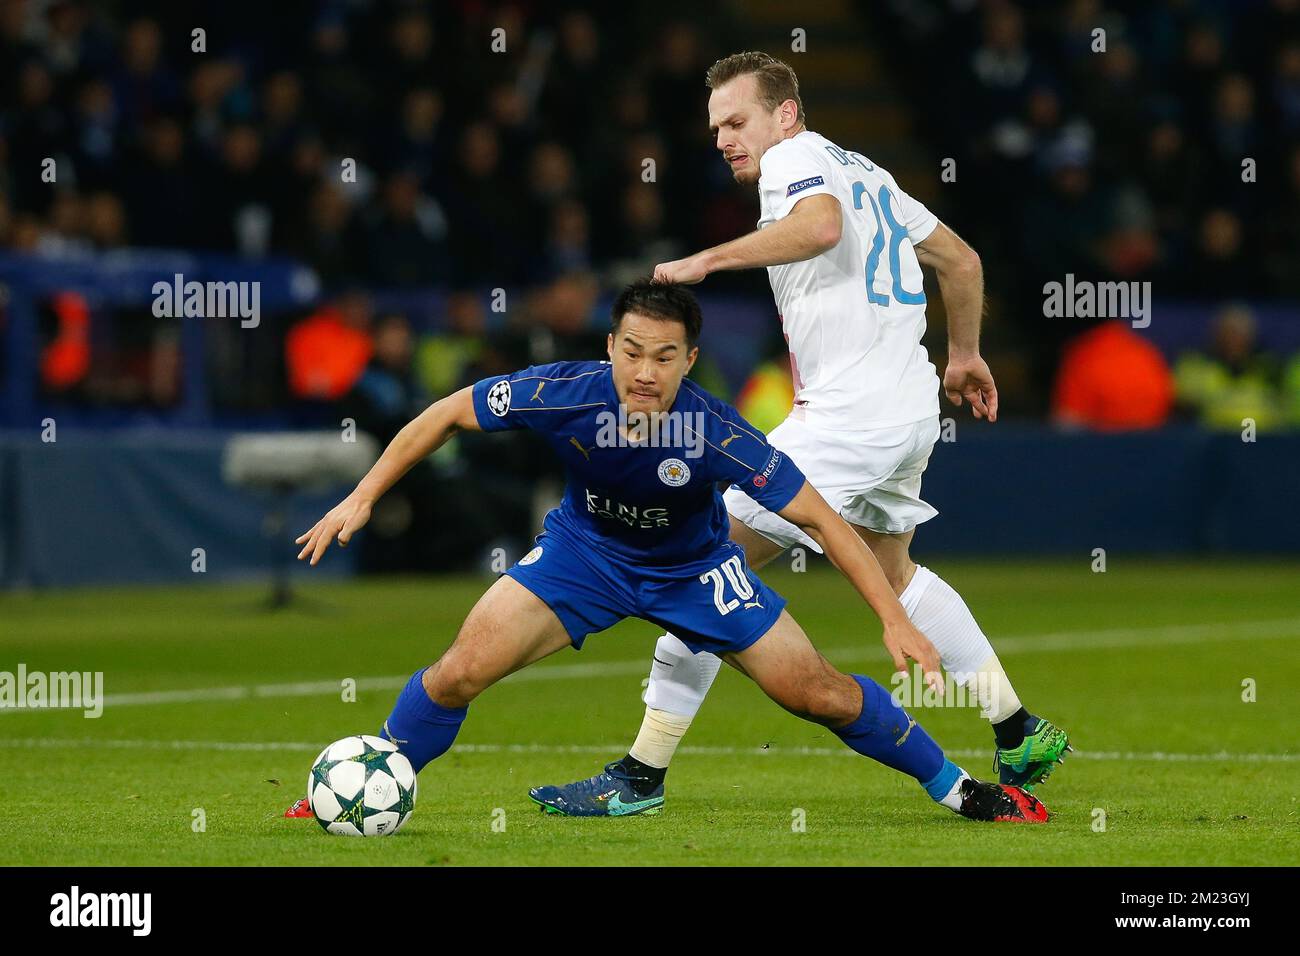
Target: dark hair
column 659, row 300
column 776, row 80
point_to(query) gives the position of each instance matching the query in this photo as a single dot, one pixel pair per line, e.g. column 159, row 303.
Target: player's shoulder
column 803, row 149
column 808, row 142
column 841, row 157
column 697, row 398
column 566, row 387
column 724, row 429
column 584, row 373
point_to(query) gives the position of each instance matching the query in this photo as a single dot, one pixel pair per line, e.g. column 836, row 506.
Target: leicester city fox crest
column 674, row 472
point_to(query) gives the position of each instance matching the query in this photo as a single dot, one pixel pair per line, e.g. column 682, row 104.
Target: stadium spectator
column 327, row 352
column 66, row 359
column 387, row 395
column 426, row 519
column 1233, row 380
column 160, row 201
column 557, row 318
column 405, row 241
column 1111, row 379
column 1222, row 265
column 443, row 358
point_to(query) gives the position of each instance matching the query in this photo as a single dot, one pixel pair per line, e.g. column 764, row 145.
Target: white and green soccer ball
column 361, row 786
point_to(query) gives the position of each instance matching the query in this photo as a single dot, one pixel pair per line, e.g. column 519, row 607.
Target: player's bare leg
column 679, row 679
column 867, row 719
column 509, row 628
column 1028, row 747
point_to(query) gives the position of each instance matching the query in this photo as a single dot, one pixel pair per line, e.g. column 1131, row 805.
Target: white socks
column 679, row 679
column 678, row 682
column 953, row 799
column 941, row 615
column 658, row 738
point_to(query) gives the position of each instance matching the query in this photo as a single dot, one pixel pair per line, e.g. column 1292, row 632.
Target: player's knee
column 453, row 681
column 824, row 698
column 831, row 700
column 899, row 575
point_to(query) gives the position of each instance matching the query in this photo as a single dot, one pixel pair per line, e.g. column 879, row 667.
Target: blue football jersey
column 655, row 503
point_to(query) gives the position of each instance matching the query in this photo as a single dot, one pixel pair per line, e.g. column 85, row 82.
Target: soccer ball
column 361, row 786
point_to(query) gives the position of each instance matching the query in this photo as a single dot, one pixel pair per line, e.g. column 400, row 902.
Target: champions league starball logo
column 498, row 398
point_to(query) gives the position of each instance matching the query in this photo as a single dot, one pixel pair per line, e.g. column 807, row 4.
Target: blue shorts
column 716, row 606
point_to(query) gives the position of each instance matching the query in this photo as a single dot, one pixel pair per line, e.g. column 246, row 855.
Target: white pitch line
column 1158, row 756
column 1017, row 644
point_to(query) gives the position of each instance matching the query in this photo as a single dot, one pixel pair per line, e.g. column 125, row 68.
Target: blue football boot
column 608, row 794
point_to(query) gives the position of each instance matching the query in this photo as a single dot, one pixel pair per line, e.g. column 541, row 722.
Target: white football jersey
column 854, row 315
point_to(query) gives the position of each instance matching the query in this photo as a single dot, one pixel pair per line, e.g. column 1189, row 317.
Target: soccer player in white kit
column 843, row 246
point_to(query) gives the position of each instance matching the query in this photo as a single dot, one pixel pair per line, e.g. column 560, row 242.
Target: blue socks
column 885, row 733
column 941, row 786
column 423, row 730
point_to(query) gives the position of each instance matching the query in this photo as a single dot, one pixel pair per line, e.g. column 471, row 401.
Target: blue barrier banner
column 131, row 506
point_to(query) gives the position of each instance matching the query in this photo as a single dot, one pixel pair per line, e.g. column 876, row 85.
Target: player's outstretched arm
column 421, row 436
column 812, row 227
column 854, row 559
column 961, row 283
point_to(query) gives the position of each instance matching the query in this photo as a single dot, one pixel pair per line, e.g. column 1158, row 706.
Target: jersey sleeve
column 494, row 402
column 743, row 456
column 790, row 172
column 916, row 218
column 537, row 397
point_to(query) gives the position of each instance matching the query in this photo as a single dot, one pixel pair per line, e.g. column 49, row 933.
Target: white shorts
column 872, row 478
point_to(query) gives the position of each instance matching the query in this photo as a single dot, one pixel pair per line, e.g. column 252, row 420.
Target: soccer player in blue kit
column 642, row 532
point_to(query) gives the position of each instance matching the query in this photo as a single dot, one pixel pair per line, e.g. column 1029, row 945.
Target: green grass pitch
column 1144, row 665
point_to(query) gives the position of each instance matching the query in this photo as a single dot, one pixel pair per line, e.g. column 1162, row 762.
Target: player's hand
column 687, row 271
column 904, row 642
column 343, row 521
column 970, row 378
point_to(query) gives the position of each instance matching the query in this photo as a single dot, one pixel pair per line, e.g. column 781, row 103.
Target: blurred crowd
column 1132, row 140
column 1127, row 162
column 465, row 165
column 1111, row 379
column 403, row 145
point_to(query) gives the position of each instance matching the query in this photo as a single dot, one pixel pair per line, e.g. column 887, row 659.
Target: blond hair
column 776, row 80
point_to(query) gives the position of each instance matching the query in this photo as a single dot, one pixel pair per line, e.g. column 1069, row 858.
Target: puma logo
column 389, row 734
column 586, row 452
column 749, row 604
column 537, row 395
column 903, row 739
column 730, row 438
